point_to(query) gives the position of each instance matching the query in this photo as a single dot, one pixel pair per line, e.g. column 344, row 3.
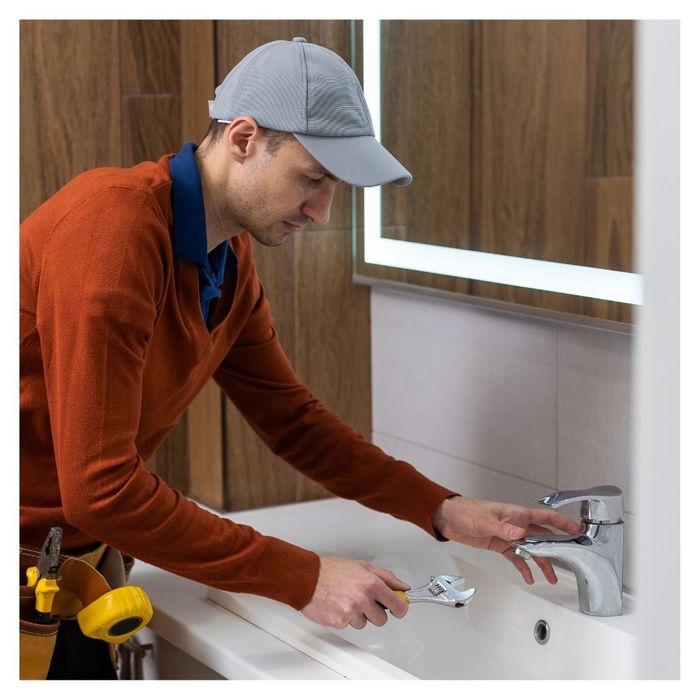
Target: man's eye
column 313, row 180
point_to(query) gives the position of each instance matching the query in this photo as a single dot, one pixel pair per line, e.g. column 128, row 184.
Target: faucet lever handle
column 600, row 504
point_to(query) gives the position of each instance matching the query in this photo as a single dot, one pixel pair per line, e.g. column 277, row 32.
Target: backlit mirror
column 519, row 136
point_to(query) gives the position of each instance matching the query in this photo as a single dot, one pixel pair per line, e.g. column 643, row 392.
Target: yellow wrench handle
column 402, row 594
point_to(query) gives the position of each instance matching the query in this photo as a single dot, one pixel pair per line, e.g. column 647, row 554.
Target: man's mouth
column 296, row 224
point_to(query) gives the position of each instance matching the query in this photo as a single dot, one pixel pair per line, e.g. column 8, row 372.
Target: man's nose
column 318, row 206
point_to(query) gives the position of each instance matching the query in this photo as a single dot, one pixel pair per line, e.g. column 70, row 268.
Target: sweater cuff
column 420, row 502
column 287, row 573
column 438, row 535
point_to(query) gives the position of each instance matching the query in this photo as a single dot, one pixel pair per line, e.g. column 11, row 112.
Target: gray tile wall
column 497, row 405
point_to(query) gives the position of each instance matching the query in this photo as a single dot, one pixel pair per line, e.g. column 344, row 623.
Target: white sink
column 494, row 637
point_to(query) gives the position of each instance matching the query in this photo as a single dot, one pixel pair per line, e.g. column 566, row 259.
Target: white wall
column 656, row 375
column 500, row 406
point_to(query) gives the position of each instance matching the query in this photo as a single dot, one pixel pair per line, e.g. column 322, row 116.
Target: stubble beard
column 249, row 214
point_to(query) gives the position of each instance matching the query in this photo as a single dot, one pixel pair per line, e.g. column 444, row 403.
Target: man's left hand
column 492, row 525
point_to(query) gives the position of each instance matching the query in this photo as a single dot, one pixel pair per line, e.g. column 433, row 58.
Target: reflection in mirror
column 519, row 137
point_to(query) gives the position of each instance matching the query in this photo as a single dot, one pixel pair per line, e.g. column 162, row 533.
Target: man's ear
column 242, row 137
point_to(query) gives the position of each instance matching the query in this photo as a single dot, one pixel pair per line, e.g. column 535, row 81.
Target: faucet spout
column 594, row 556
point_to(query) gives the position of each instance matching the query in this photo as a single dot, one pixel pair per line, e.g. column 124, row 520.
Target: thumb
column 389, row 578
column 512, row 532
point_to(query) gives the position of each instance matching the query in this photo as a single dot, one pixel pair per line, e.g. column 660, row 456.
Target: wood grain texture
column 609, row 99
column 149, row 57
column 170, row 459
column 333, row 332
column 151, row 127
column 204, row 461
column 546, row 105
column 609, row 223
column 427, row 74
column 69, row 103
column 532, row 136
column 204, row 417
column 197, row 76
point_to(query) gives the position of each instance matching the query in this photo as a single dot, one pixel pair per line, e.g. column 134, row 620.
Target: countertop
column 235, row 648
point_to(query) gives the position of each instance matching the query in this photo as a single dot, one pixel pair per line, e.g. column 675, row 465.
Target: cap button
column 299, row 38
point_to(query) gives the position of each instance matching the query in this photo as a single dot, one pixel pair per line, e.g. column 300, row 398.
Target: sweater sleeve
column 100, row 286
column 259, row 379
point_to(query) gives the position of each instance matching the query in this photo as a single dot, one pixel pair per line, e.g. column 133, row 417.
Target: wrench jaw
column 441, row 589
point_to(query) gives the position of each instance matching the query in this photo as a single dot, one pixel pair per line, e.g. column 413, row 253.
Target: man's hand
column 352, row 592
column 492, row 525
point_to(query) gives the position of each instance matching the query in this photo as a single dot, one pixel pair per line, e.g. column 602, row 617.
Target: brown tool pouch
column 82, row 578
column 36, row 642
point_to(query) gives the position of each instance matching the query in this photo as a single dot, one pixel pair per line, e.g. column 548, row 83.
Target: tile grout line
column 494, row 470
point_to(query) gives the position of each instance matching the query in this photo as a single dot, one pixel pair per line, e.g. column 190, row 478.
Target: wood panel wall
column 321, row 317
column 118, row 92
column 519, row 137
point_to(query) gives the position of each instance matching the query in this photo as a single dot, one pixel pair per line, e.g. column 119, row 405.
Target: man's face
column 279, row 193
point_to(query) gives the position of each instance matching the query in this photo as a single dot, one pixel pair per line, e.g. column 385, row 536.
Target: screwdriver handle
column 46, row 589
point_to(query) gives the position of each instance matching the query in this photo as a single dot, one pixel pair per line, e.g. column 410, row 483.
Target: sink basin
column 508, row 631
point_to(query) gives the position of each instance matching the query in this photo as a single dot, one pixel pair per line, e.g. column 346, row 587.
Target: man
column 138, row 285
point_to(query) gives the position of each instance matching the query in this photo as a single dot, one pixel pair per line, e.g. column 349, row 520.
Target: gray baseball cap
column 309, row 91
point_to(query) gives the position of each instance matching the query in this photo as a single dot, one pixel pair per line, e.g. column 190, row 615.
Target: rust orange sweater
column 113, row 348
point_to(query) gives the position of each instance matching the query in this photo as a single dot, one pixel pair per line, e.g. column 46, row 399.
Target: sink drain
column 541, row 631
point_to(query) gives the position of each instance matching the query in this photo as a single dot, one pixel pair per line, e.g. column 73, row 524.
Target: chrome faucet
column 595, row 555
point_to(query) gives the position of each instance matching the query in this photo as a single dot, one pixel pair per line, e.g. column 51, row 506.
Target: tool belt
column 84, row 579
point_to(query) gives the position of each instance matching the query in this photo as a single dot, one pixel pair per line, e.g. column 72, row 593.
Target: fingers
column 375, row 612
column 353, row 593
column 544, row 563
column 375, row 615
column 548, row 516
column 358, row 622
column 395, row 604
column 493, row 525
column 385, row 595
column 532, row 519
column 388, row 577
column 547, row 569
column 520, row 565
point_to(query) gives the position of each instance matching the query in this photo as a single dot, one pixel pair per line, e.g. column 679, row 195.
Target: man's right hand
column 352, row 592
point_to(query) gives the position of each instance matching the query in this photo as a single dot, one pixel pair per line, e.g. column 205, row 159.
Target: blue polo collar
column 190, row 230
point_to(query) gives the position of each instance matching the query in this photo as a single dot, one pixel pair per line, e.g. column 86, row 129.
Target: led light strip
column 596, row 283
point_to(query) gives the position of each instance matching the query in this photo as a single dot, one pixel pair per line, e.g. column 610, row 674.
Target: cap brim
column 358, row 160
